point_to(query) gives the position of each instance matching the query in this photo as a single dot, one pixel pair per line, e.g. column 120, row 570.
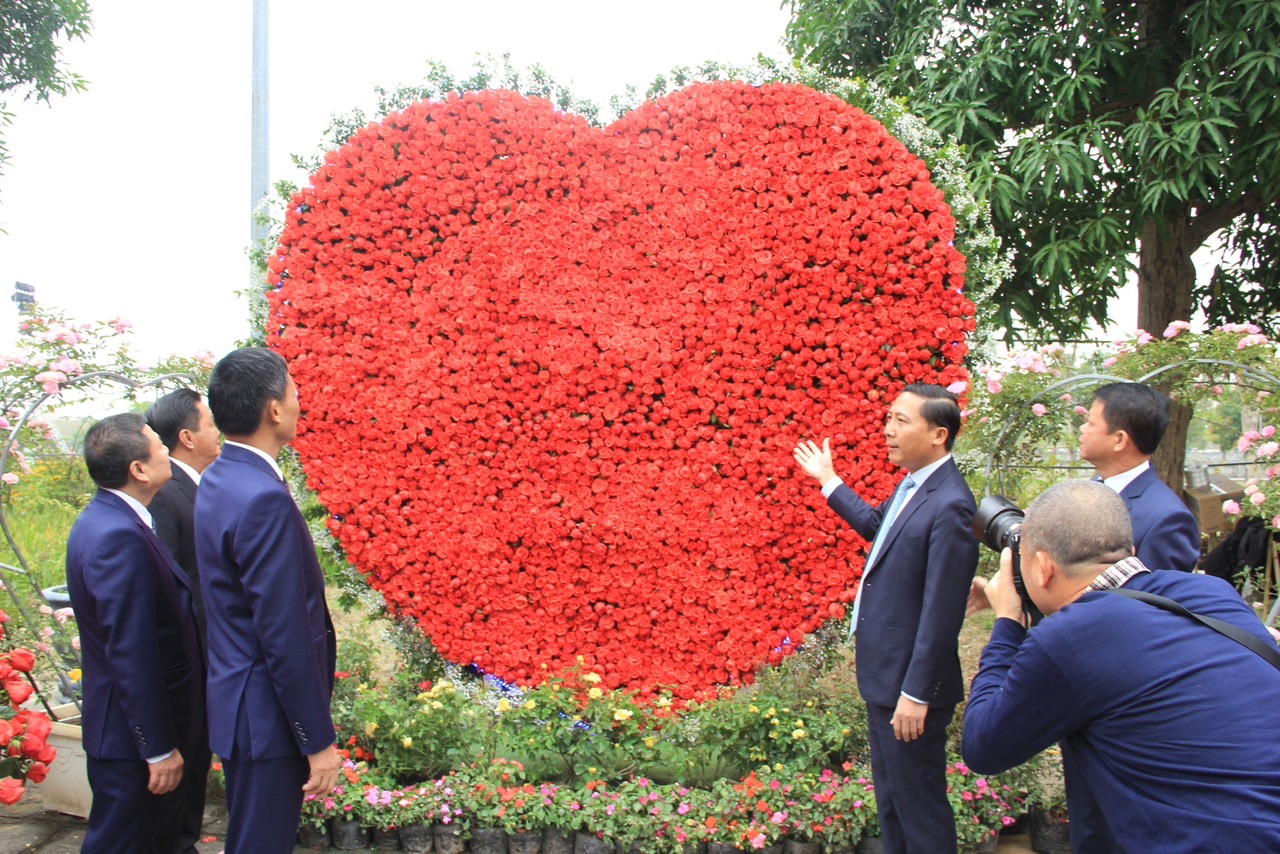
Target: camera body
column 998, row 525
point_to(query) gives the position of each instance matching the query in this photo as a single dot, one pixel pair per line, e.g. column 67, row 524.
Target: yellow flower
column 775, row 722
column 771, row 712
column 75, row 675
column 593, row 678
column 504, row 705
column 797, row 734
column 371, row 727
column 799, row 724
column 622, row 714
column 595, row 693
column 407, row 741
column 436, row 704
column 650, row 741
column 662, row 702
column 531, row 704
column 754, row 709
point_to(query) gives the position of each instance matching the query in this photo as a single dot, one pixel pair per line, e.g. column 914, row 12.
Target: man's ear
column 1049, row 569
column 1122, row 440
column 185, row 438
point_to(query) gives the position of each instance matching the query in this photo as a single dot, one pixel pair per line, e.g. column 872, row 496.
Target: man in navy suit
column 185, row 426
column 1166, row 725
column 908, row 612
column 271, row 642
column 1125, row 424
column 143, row 673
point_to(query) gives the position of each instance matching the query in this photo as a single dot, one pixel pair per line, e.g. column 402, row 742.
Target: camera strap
column 1268, row 651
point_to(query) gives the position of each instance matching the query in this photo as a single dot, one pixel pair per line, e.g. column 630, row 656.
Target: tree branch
column 1215, row 217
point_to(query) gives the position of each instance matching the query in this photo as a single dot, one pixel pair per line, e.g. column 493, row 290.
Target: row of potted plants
column 495, row 806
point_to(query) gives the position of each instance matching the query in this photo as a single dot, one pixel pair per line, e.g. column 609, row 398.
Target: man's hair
column 1138, row 410
column 112, row 445
column 940, row 408
column 1080, row 524
column 173, row 413
column 244, row 382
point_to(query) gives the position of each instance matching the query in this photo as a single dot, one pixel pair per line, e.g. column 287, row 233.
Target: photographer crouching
column 1167, row 723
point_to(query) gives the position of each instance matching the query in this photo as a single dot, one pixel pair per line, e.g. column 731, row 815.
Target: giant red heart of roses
column 552, row 374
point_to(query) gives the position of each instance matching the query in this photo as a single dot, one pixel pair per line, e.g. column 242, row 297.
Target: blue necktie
column 890, row 516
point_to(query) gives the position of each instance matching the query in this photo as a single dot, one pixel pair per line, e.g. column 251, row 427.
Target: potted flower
column 980, row 808
column 25, row 752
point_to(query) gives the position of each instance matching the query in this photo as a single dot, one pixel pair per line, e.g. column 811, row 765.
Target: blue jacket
column 1165, row 533
column 271, row 643
column 142, row 665
column 914, row 596
column 1167, row 723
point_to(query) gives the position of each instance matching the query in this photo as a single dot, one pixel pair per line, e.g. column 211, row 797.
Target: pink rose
column 1268, row 432
column 1257, row 499
column 1145, row 337
column 994, row 386
column 1177, row 326
column 958, row 387
column 1231, row 507
column 1038, row 409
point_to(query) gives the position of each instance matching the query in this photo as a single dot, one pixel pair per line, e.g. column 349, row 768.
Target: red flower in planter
column 552, row 374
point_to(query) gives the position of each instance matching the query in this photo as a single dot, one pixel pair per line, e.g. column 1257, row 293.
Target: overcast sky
column 132, row 199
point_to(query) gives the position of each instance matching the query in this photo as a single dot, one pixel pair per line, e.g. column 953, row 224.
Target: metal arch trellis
column 23, row 569
column 1247, row 375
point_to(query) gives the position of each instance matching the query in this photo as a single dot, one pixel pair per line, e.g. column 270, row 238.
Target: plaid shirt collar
column 1117, row 575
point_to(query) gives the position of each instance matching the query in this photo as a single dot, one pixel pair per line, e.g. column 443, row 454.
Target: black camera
column 998, row 526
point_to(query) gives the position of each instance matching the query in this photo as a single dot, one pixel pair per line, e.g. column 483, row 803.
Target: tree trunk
column 1166, row 278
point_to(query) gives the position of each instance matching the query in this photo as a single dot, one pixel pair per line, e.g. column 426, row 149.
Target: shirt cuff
column 152, row 760
column 830, row 486
column 913, row 699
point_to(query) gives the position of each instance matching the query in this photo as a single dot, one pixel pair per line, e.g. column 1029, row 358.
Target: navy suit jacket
column 271, row 642
column 1165, row 533
column 1167, row 726
column 173, row 510
column 142, row 666
column 914, row 596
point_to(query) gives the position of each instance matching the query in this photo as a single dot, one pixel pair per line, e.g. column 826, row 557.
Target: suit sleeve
column 1020, row 703
column 951, row 562
column 860, row 515
column 1172, row 542
column 271, row 540
column 168, row 526
column 121, row 575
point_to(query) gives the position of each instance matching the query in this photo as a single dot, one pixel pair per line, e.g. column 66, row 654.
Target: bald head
column 1083, row 525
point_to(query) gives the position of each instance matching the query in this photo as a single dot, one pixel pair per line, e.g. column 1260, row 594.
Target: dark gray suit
column 172, row 509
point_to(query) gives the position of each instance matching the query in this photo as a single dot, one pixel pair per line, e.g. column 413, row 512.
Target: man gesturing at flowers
column 908, row 611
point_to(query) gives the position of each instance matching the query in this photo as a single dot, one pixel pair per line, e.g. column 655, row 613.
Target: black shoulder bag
column 1270, row 652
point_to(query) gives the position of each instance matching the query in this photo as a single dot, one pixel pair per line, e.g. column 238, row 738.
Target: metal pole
column 258, row 171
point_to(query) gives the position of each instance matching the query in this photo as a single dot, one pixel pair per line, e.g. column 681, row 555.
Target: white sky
column 132, row 199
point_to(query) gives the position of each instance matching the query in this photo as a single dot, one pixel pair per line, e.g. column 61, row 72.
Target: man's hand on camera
column 814, row 461
column 978, row 600
column 1000, row 591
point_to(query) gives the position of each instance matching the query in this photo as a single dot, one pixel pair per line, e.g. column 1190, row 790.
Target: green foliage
column 417, row 730
column 1090, row 125
column 29, row 51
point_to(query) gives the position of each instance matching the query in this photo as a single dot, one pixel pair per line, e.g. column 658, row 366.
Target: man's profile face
column 206, row 441
column 156, row 465
column 289, row 411
column 909, row 437
column 1097, row 441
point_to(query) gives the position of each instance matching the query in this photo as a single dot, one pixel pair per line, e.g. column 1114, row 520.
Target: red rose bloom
column 552, row 374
